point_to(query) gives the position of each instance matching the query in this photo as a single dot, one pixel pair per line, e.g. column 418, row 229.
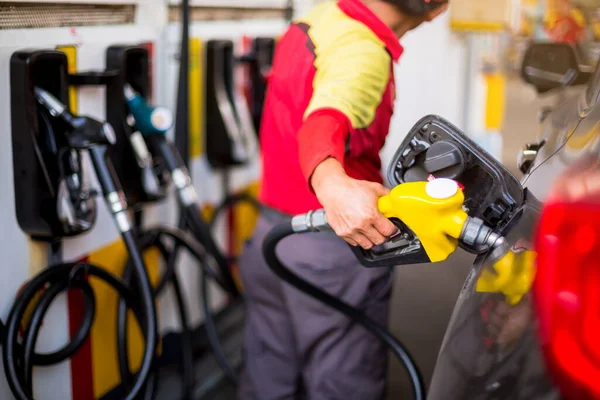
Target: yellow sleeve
column 353, row 71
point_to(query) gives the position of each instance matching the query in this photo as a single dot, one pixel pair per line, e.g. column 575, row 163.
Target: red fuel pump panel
column 567, row 290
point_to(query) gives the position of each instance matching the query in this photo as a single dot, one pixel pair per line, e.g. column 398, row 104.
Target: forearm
column 327, row 171
column 321, row 140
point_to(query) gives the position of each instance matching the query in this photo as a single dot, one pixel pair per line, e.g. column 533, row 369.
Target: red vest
column 330, row 94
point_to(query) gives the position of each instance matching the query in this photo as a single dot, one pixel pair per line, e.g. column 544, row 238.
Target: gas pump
column 230, row 131
column 52, row 194
column 259, row 61
column 56, row 143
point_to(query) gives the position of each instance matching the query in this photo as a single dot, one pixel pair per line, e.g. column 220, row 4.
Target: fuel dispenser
column 153, row 122
column 129, row 155
column 259, row 61
column 233, row 117
column 54, row 201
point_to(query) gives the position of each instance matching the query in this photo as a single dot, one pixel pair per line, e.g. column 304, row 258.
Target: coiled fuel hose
column 18, row 361
column 285, row 229
column 157, row 237
column 19, row 358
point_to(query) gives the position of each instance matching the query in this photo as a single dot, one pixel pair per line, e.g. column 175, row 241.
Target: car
column 507, row 337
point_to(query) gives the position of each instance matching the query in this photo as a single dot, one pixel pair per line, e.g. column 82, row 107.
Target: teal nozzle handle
column 149, row 120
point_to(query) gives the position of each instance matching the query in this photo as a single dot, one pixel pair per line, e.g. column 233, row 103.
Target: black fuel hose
column 28, row 357
column 109, row 182
column 155, row 237
column 33, row 329
column 231, row 201
column 191, row 213
column 146, row 241
column 122, row 354
column 79, row 338
column 213, row 336
column 283, row 230
column 209, row 323
column 185, row 240
column 19, row 359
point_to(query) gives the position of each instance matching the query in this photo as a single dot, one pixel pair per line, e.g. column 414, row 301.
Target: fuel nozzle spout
column 477, row 236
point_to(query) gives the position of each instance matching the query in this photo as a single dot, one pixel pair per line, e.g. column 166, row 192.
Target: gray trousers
column 296, row 348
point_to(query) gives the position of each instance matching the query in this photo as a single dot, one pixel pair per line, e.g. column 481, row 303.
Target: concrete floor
column 424, row 295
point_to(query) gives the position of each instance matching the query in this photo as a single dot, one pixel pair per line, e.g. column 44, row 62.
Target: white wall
column 429, row 80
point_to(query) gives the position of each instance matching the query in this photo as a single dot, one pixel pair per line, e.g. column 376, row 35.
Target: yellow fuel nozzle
column 434, row 212
column 431, row 220
column 508, row 272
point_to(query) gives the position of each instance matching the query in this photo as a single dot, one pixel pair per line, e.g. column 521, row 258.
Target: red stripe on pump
column 82, row 374
column 150, row 47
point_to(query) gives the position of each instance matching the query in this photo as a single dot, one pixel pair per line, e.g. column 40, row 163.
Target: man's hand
column 351, row 205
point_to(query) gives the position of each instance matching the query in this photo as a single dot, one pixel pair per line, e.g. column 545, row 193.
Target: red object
column 150, row 47
column 293, row 143
column 566, row 30
column 567, row 295
column 430, row 177
column 322, row 135
column 245, row 82
column 82, row 374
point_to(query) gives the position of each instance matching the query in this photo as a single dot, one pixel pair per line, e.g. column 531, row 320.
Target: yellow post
column 495, row 101
column 196, row 93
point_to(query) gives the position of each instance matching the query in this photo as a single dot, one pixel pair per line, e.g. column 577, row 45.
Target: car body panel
column 491, row 348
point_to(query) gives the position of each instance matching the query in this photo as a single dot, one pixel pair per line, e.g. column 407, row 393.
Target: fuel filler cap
column 441, row 188
column 444, row 159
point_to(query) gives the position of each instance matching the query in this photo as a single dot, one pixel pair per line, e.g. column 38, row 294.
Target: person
column 327, row 112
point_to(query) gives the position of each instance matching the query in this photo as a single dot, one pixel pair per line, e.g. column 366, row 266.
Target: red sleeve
column 322, row 135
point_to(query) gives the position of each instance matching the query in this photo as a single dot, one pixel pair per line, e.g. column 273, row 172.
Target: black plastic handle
column 404, row 248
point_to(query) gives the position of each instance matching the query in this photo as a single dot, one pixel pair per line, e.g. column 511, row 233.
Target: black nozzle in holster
column 230, row 133
column 259, row 61
column 52, row 199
